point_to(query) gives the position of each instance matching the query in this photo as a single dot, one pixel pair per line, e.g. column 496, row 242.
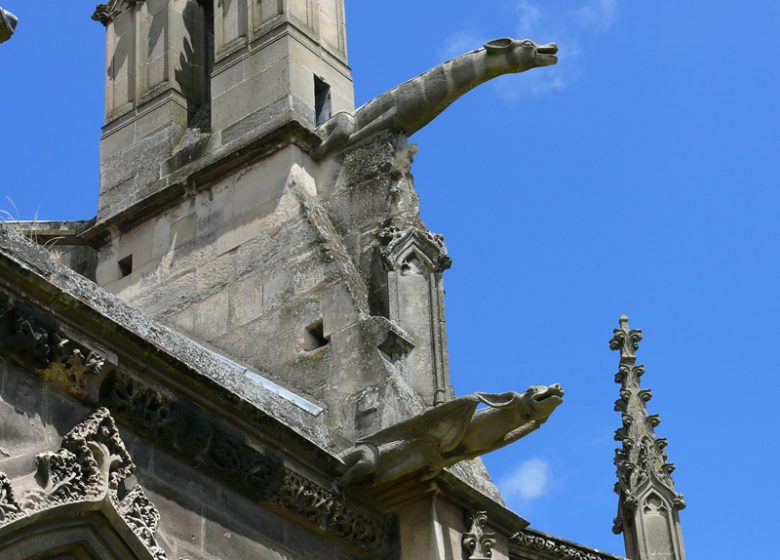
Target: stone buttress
column 215, row 218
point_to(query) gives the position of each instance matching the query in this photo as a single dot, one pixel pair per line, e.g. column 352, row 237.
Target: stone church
column 244, row 354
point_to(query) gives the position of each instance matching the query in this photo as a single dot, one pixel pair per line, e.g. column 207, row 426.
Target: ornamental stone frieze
column 194, row 437
column 88, row 473
column 36, row 341
column 551, row 547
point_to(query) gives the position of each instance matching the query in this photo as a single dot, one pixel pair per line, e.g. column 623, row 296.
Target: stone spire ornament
column 648, row 506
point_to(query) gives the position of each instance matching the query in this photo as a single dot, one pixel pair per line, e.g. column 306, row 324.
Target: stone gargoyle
column 412, row 105
column 447, row 434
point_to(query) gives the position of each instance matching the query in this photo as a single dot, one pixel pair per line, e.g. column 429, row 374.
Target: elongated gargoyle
column 448, row 434
column 412, row 105
column 8, row 23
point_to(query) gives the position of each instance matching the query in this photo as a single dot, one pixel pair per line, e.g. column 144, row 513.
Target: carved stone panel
column 478, row 541
column 86, row 474
column 40, row 344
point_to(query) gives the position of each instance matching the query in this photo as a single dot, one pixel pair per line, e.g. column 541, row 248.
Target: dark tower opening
column 322, row 101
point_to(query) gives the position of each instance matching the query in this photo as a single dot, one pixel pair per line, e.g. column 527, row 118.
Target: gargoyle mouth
column 553, row 392
column 547, row 53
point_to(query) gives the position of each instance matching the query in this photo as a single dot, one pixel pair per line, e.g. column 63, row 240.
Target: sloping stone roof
column 26, row 268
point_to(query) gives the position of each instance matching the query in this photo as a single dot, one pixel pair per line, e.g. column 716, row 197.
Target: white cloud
column 534, row 19
column 599, row 14
column 459, row 43
column 530, row 18
column 528, row 482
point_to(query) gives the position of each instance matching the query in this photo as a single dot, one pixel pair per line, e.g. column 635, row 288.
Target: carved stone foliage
column 48, row 351
column 413, row 251
column 183, row 429
column 142, row 517
column 10, row 509
column 89, row 467
column 554, row 547
column 479, row 542
column 329, row 512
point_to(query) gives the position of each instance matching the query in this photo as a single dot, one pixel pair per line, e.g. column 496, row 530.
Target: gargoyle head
column 522, row 54
column 535, row 403
column 544, row 399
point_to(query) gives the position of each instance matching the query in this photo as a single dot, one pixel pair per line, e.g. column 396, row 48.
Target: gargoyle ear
column 498, row 45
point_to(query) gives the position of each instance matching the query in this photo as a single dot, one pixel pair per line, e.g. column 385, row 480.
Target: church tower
column 218, row 217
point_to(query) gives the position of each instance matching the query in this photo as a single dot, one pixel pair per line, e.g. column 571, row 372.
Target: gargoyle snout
column 546, row 54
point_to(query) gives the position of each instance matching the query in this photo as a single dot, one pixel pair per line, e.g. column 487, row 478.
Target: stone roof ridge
column 60, row 288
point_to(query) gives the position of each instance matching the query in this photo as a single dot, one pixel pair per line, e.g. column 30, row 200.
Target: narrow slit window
column 314, row 337
column 126, row 266
column 322, row 101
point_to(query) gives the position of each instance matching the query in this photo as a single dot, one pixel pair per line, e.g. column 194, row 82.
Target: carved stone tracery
column 414, row 251
column 328, row 511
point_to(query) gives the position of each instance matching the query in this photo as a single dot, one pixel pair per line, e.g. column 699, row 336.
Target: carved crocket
column 448, row 434
column 412, row 105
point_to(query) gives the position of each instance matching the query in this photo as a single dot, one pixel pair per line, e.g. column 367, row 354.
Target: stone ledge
column 201, row 171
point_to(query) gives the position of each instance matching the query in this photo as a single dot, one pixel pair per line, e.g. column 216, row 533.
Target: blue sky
column 639, row 176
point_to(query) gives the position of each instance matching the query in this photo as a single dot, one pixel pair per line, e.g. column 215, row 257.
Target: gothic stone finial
column 479, row 542
column 645, row 487
column 626, row 340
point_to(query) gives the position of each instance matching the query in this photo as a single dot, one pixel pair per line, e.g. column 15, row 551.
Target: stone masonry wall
column 200, row 518
column 279, row 266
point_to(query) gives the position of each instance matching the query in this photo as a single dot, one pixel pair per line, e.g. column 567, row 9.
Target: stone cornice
column 191, row 168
